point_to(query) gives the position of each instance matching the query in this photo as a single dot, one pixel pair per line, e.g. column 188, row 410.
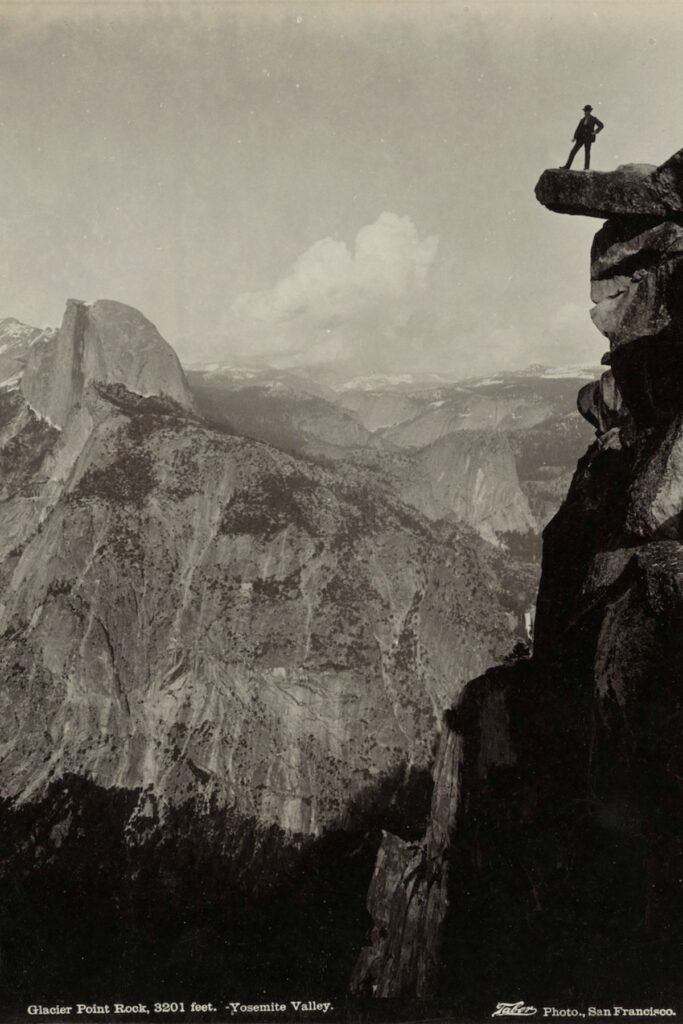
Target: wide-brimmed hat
column 588, row 107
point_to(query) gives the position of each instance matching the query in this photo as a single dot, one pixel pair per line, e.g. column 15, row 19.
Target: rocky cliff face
column 423, row 889
column 230, row 620
column 106, row 342
column 270, row 620
column 473, row 476
column 212, row 653
column 408, row 895
column 560, row 872
column 16, row 340
column 632, row 190
column 467, row 476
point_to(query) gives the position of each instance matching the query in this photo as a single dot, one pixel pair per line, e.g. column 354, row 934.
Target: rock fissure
column 120, row 689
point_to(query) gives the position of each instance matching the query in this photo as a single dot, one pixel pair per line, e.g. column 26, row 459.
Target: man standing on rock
column 587, row 128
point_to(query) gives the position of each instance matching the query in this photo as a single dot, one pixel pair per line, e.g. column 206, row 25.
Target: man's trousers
column 577, row 146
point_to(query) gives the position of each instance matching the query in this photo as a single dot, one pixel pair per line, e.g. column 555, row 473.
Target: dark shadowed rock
column 629, row 190
column 630, row 276
column 624, row 246
column 668, row 180
column 558, row 866
column 408, row 897
column 601, row 404
column 637, row 287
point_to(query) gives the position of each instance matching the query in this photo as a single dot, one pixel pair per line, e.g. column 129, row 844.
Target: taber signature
column 514, row 1010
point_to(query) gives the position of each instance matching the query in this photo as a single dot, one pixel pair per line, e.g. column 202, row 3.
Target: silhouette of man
column 586, row 130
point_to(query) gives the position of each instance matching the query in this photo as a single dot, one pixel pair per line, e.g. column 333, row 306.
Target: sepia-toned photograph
column 341, row 511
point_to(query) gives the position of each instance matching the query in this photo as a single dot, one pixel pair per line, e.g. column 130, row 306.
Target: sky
column 345, row 184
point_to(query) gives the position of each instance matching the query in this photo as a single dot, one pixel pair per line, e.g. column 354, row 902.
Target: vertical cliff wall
column 560, row 864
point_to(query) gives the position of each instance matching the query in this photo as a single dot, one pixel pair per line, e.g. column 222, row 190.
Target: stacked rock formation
column 636, row 276
column 558, row 873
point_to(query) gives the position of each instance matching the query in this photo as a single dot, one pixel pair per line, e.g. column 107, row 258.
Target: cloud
column 336, row 300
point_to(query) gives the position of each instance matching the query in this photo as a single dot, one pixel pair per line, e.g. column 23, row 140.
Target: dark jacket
column 587, row 129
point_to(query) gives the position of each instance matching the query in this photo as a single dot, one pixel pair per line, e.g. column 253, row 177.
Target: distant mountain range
column 496, row 453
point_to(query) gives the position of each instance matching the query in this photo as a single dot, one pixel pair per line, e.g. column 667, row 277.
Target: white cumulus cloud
column 335, row 298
